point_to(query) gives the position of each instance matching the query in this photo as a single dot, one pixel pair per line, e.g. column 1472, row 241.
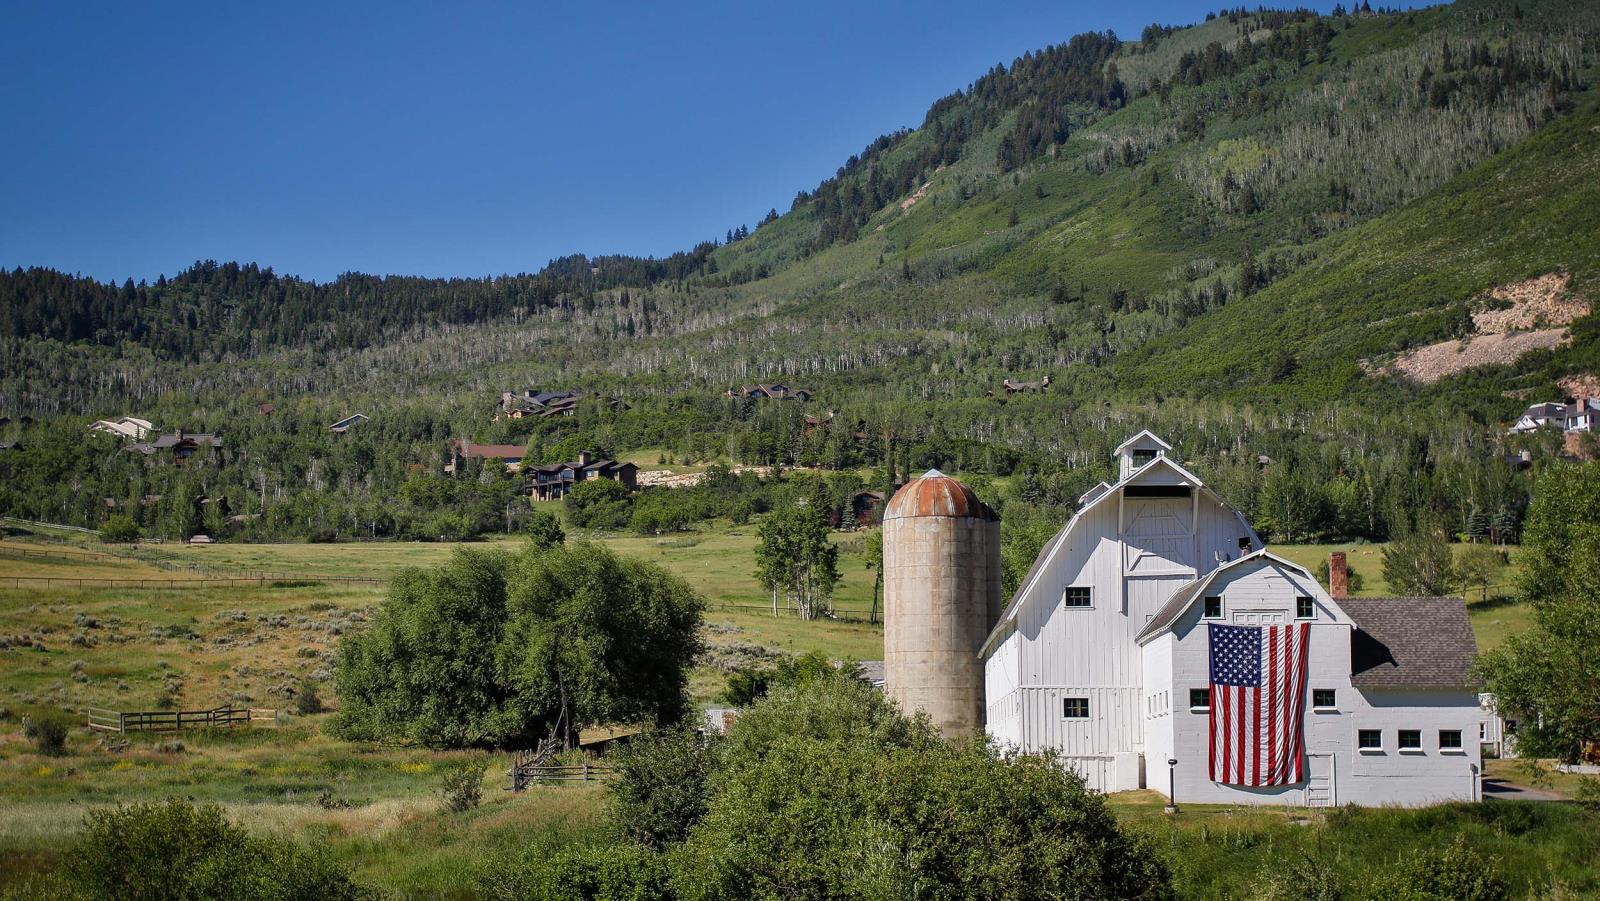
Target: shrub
column 583, row 873
column 177, row 850
column 660, row 786
column 600, row 504
column 544, row 531
column 1453, row 873
column 119, row 529
column 462, row 786
column 48, row 734
column 306, row 699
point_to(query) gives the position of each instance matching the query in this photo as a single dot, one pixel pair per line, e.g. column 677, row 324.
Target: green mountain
column 1236, row 230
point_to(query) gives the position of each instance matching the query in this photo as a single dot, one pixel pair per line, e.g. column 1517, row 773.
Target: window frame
column 1201, row 692
column 1148, row 457
column 1333, row 699
column 1069, row 704
column 1308, row 603
column 1361, row 741
column 1404, row 746
column 1205, row 607
column 1458, row 748
column 1067, row 591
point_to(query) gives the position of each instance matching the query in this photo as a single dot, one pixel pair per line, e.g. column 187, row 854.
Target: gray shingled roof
column 1410, row 643
column 871, row 670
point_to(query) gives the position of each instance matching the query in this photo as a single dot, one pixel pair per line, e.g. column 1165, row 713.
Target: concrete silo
column 941, row 578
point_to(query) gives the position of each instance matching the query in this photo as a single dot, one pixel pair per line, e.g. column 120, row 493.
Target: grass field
column 377, row 806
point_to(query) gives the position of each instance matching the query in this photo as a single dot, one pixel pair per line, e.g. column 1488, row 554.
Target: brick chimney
column 1338, row 576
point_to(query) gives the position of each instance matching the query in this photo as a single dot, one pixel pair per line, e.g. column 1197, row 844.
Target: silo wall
column 941, row 597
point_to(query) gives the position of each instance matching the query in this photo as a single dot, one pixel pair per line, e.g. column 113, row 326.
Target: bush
column 48, row 734
column 1453, row 873
column 543, row 529
column 600, row 504
column 583, row 873
column 119, row 529
column 177, row 850
column 660, row 786
column 462, row 786
column 306, row 699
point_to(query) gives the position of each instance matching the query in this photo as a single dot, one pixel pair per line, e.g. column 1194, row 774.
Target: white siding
column 1389, row 777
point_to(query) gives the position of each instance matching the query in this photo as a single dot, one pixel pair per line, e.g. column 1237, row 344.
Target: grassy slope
column 1533, row 210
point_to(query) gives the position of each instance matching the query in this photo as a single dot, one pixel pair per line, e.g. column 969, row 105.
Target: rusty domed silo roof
column 936, row 494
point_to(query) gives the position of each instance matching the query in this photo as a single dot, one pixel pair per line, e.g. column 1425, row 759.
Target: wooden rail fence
column 529, row 768
column 119, row 721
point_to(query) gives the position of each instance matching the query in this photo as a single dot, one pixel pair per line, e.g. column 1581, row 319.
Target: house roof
column 1143, row 433
column 1054, row 544
column 491, row 451
column 1423, row 643
column 1186, row 593
column 173, row 440
column 871, row 671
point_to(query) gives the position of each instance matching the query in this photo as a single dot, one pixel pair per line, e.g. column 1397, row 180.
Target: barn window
column 1449, row 739
column 1410, row 739
column 1075, row 708
column 1214, row 606
column 1142, row 457
column 1323, row 697
column 1369, row 740
column 1199, row 699
column 1077, row 596
column 1303, row 608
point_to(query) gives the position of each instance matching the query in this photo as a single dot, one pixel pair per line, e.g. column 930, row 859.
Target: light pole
column 1172, row 785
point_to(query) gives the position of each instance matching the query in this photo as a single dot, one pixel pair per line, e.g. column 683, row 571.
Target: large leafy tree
column 491, row 649
column 1549, row 676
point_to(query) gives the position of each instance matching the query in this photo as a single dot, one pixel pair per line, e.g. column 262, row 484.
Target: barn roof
column 1186, row 593
column 1054, row 544
column 1422, row 643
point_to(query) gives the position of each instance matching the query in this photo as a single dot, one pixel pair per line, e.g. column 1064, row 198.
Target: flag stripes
column 1258, row 689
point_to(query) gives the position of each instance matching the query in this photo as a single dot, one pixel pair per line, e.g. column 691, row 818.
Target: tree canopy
column 495, row 649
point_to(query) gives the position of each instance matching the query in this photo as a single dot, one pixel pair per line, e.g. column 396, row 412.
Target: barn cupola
column 1136, row 452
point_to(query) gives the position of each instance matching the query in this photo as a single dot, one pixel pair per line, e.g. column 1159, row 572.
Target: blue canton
column 1236, row 655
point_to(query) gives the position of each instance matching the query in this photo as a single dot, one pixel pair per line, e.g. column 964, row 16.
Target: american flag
column 1258, row 689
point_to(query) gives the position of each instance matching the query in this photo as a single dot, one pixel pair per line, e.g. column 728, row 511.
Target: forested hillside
column 1228, row 230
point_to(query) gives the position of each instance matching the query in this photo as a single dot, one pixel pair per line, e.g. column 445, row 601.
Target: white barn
column 1102, row 655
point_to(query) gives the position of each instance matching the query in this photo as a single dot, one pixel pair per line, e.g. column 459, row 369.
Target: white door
column 1320, row 781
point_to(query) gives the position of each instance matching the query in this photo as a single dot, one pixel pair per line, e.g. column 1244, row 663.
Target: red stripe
column 1300, row 698
column 1243, row 726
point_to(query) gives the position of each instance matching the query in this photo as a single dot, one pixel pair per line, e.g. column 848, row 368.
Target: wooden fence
column 103, row 720
column 529, row 768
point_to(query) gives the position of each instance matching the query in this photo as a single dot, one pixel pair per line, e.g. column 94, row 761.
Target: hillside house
column 866, row 507
column 126, row 427
column 1582, row 415
column 774, row 391
column 1139, row 616
column 347, row 423
column 554, row 481
column 461, row 451
column 181, row 447
column 517, row 404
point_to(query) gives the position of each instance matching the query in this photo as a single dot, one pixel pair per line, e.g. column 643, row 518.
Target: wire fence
column 89, row 582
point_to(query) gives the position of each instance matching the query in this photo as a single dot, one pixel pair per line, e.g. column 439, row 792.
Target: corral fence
column 232, row 582
column 121, row 722
column 839, row 616
column 530, row 768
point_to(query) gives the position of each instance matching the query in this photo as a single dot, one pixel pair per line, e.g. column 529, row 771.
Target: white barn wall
column 1389, row 777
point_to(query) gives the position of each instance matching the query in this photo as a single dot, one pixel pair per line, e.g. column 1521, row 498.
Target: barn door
column 1319, row 781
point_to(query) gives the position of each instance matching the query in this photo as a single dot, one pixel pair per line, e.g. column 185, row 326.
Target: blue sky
column 459, row 139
